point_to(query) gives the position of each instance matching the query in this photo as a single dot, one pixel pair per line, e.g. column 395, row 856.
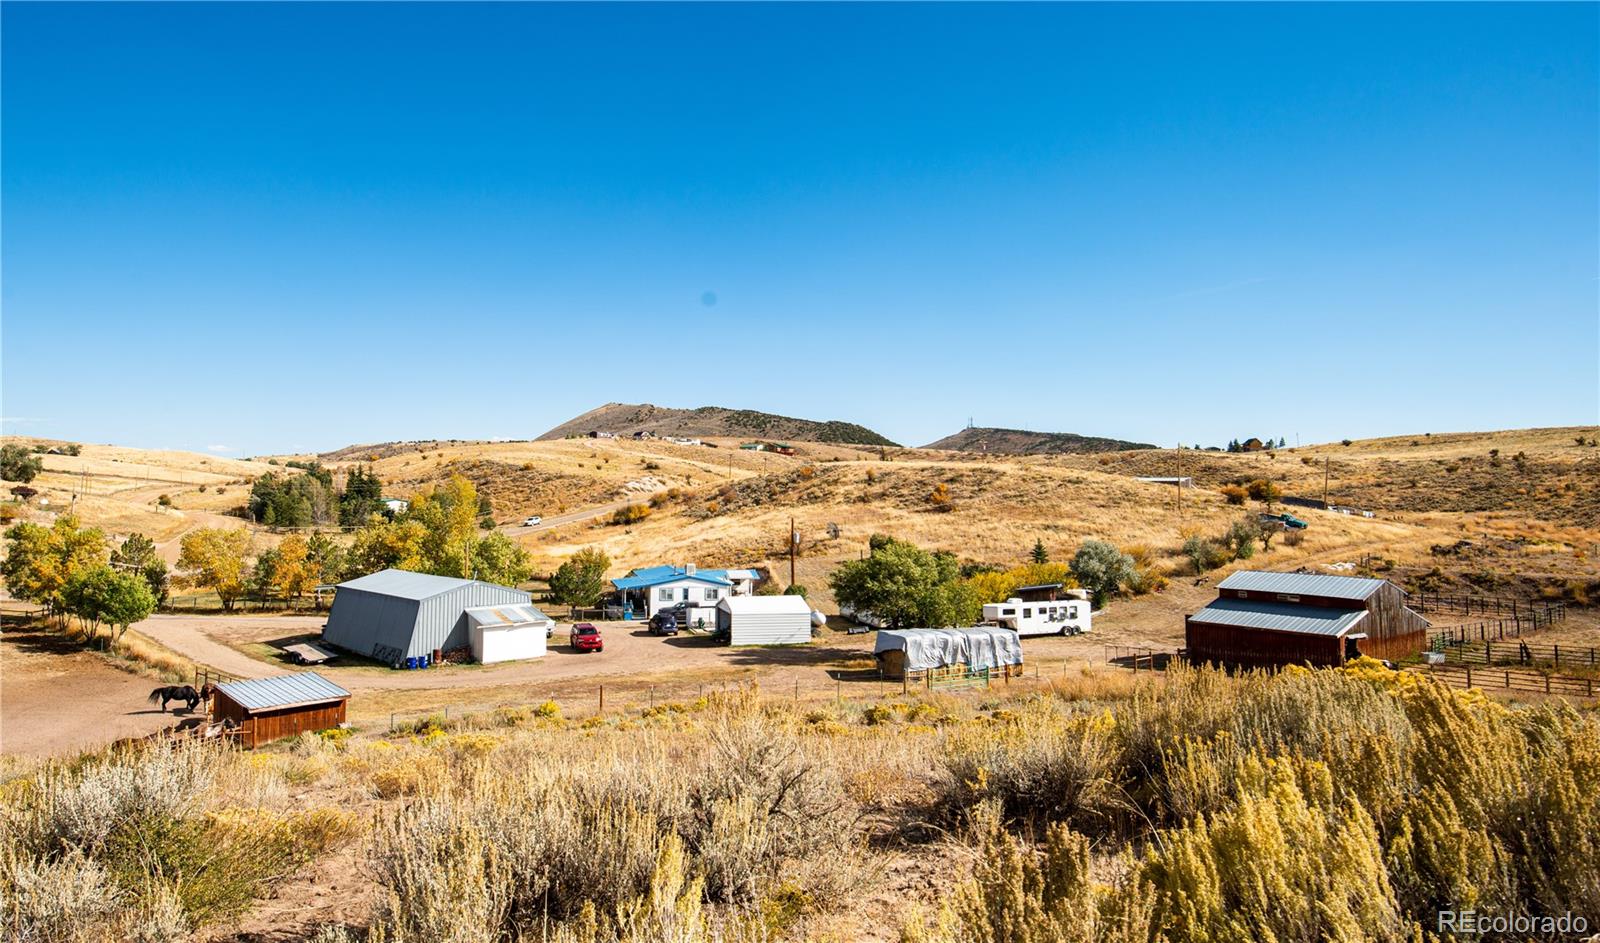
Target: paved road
column 587, row 514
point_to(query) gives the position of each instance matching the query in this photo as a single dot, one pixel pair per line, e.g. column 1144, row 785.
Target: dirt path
column 57, row 699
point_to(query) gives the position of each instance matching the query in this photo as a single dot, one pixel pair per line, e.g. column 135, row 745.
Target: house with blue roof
column 648, row 590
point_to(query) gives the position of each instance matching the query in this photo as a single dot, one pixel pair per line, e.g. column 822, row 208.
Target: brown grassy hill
column 627, row 419
column 1023, row 442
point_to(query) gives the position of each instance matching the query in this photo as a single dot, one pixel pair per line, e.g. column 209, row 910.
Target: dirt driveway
column 58, row 700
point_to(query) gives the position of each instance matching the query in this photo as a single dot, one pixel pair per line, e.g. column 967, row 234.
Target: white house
column 1068, row 616
column 646, row 591
column 507, row 633
column 764, row 620
column 396, row 505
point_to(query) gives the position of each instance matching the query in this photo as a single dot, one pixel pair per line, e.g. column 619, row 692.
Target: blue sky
column 265, row 227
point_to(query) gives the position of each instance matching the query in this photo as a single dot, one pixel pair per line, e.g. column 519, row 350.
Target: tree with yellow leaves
column 215, row 558
column 296, row 573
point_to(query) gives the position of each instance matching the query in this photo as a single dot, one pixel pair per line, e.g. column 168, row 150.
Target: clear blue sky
column 264, row 227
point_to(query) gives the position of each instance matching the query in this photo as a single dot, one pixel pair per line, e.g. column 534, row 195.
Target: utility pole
column 1180, row 482
column 794, row 540
column 1325, row 460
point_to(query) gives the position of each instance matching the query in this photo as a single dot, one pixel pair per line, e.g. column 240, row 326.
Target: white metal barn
column 765, row 620
column 508, row 633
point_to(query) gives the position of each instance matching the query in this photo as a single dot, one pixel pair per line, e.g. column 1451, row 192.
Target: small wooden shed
column 267, row 709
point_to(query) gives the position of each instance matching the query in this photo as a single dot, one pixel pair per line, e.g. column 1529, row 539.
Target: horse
column 185, row 693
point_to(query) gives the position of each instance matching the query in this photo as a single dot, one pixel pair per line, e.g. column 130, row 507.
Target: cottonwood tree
column 905, row 584
column 296, row 573
column 216, row 558
column 41, row 560
column 581, row 580
column 102, row 595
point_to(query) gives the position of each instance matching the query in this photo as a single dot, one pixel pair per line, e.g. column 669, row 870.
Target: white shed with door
column 508, row 633
column 764, row 620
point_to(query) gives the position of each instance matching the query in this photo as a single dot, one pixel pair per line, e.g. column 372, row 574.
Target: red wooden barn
column 1265, row 619
column 267, row 709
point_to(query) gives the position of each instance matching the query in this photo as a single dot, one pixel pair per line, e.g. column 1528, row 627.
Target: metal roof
column 1024, row 589
column 1280, row 617
column 1303, row 584
column 506, row 615
column 307, row 687
column 777, row 604
column 655, row 575
column 405, row 584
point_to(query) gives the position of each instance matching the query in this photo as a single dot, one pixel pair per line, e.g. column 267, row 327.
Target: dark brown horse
column 176, row 692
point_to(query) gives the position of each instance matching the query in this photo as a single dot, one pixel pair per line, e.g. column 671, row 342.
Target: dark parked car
column 664, row 622
column 586, row 638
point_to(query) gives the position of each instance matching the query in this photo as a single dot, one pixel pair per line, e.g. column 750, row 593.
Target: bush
column 1203, row 554
column 631, row 514
column 1234, row 493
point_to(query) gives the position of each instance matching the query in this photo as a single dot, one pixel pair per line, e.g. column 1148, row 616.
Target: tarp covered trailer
column 905, row 653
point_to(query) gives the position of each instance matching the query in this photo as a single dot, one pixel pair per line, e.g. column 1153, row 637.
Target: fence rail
column 1494, row 652
column 1496, row 629
column 1510, row 679
column 1487, row 605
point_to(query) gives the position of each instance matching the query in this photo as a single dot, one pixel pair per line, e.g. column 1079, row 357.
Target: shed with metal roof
column 393, row 614
column 1265, row 619
column 508, row 633
column 267, row 709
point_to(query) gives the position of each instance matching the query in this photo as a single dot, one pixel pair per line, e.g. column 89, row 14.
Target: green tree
column 215, row 558
column 1040, row 554
column 1241, row 537
column 101, row 595
column 895, row 581
column 449, row 516
column 18, row 464
column 138, row 555
column 383, row 544
column 362, row 497
column 1202, row 553
column 40, row 560
column 263, row 581
column 795, row 589
column 498, row 559
column 581, row 580
column 328, row 558
column 1102, row 569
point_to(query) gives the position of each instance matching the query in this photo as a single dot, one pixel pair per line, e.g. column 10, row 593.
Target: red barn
column 1267, row 619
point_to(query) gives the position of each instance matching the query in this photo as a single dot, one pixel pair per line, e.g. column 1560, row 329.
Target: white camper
column 1065, row 616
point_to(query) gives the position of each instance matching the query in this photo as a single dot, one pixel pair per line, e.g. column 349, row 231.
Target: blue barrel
column 411, row 662
column 424, row 661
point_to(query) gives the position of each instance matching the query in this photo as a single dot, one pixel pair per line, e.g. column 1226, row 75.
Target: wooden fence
column 1554, row 610
column 1496, row 629
column 1522, row 681
column 1495, row 652
column 1136, row 656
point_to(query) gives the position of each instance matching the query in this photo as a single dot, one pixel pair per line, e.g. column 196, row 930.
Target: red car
column 586, row 638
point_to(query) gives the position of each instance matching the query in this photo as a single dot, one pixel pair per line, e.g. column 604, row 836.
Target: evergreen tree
column 1040, row 555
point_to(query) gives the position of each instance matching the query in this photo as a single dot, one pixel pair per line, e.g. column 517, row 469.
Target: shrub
column 1234, row 493
column 164, row 500
column 1203, row 554
column 631, row 514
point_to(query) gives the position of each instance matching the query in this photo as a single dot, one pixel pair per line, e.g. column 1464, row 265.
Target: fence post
column 602, row 699
column 1547, row 684
column 1558, row 656
column 1469, row 676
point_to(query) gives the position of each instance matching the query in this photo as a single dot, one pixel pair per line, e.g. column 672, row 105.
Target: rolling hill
column 629, row 418
column 1023, row 442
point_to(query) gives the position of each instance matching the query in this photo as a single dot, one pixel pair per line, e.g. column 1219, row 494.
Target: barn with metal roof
column 267, row 709
column 1264, row 619
column 393, row 615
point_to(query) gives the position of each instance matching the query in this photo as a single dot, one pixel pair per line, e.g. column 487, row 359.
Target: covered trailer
column 508, row 633
column 909, row 653
column 764, row 620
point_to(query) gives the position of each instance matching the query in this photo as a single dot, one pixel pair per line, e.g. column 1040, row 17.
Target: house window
column 711, row 595
column 686, row 594
column 665, row 595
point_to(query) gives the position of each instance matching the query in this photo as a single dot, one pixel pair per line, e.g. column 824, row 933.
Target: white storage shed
column 508, row 633
column 764, row 620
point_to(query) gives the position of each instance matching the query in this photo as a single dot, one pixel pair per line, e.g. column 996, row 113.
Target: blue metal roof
column 405, row 584
column 1280, row 617
column 307, row 687
column 1303, row 584
column 656, row 575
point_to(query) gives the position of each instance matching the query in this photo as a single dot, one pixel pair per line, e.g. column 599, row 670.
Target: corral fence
column 1523, row 681
column 1548, row 610
column 208, row 602
column 1497, row 652
column 1137, row 657
column 204, row 676
column 1495, row 629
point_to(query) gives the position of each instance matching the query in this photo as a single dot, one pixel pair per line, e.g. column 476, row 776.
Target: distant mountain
column 629, row 418
column 1023, row 442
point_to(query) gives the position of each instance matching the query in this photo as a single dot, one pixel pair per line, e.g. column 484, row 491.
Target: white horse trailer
column 1068, row 616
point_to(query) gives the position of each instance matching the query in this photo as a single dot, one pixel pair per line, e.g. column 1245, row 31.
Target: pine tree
column 1040, row 554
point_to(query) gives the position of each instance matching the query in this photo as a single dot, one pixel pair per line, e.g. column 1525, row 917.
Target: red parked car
column 586, row 638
